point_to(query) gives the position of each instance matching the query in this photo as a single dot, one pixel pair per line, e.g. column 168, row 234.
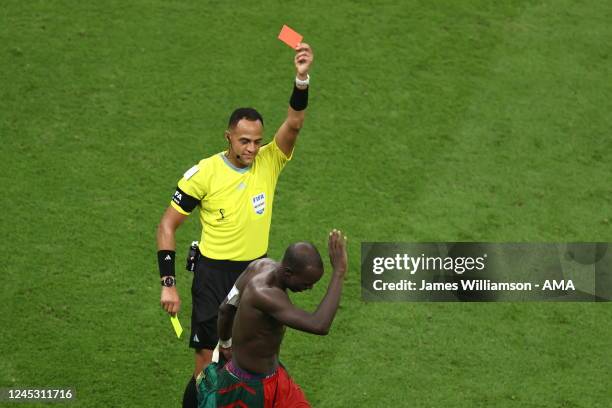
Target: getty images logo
column 412, row 264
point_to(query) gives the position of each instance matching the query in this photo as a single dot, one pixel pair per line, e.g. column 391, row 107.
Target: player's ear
column 287, row 273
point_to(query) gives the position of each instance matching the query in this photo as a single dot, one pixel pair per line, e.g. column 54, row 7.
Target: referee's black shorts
column 212, row 281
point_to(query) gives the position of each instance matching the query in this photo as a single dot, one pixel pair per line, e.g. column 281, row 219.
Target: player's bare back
column 257, row 336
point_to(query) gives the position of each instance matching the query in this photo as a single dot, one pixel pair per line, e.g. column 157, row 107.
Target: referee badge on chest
column 259, row 203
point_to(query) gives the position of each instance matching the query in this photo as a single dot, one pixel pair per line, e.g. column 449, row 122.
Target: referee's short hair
column 244, row 113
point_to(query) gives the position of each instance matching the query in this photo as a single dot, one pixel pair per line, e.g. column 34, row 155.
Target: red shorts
column 281, row 391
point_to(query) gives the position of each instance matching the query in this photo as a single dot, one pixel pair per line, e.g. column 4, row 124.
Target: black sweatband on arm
column 165, row 260
column 299, row 98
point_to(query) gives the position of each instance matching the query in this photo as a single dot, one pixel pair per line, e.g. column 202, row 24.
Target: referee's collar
column 231, row 165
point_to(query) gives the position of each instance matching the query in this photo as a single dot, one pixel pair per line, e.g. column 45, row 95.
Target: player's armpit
column 276, row 303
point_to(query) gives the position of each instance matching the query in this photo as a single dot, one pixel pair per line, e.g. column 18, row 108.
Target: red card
column 290, row 37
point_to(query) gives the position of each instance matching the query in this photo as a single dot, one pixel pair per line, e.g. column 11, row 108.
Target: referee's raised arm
column 286, row 134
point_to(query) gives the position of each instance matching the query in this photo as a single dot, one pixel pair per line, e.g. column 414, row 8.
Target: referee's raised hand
column 303, row 59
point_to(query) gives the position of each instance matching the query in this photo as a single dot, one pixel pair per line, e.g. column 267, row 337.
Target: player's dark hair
column 244, row 113
column 300, row 256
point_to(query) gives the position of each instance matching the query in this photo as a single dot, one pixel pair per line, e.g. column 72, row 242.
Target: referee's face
column 245, row 140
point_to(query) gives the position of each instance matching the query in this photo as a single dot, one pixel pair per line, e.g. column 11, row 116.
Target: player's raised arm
column 280, row 307
column 286, row 135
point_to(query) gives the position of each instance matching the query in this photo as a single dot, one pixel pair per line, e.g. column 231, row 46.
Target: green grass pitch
column 428, row 121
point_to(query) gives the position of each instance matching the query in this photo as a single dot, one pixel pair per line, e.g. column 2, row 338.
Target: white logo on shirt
column 259, row 203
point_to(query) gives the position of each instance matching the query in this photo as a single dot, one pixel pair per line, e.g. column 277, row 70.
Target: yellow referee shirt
column 235, row 204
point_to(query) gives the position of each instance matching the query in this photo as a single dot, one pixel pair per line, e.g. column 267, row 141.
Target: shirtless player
column 252, row 321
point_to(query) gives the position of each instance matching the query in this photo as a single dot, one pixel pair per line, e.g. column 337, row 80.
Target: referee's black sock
column 190, row 398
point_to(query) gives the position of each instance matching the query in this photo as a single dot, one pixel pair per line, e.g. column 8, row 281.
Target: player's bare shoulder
column 254, row 268
column 260, row 289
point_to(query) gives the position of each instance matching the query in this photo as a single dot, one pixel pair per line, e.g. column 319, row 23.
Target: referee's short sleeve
column 275, row 157
column 190, row 190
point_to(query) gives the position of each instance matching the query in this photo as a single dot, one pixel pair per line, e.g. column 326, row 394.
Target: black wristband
column 165, row 260
column 299, row 98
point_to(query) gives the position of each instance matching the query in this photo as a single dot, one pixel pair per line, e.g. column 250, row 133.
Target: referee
column 234, row 191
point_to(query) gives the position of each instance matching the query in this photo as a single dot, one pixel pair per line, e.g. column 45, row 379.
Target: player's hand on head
column 170, row 300
column 303, row 59
column 337, row 252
